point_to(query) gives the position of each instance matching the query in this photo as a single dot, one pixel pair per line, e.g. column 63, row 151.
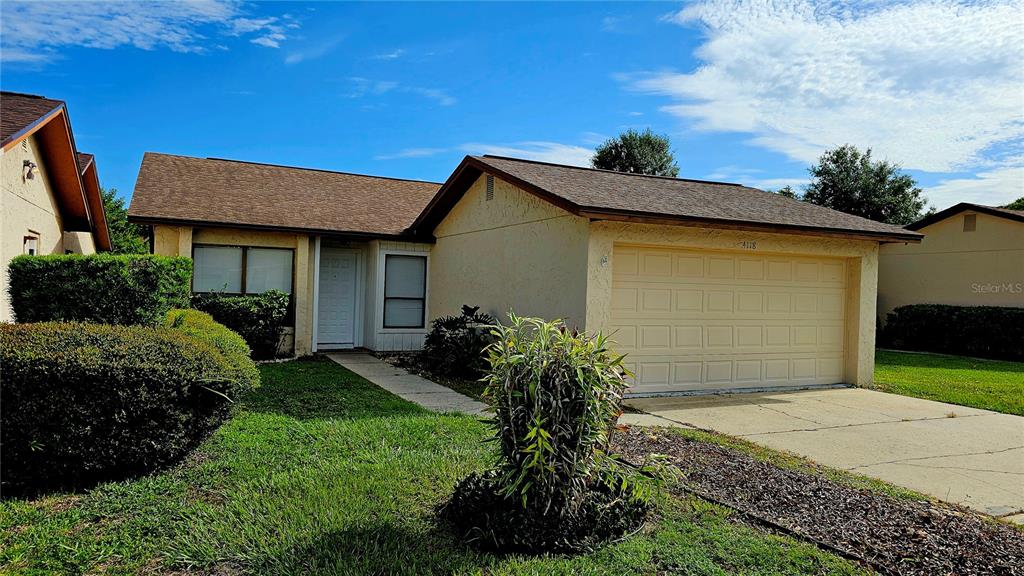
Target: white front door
column 336, row 315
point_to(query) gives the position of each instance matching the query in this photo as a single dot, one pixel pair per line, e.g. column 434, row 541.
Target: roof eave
column 345, row 234
column 664, row 219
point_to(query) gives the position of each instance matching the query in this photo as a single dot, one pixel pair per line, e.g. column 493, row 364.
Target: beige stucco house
column 705, row 285
column 50, row 201
column 971, row 255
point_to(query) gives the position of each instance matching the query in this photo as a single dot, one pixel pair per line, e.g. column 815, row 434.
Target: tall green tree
column 1017, row 204
column 850, row 181
column 637, row 153
column 125, row 237
column 787, row 191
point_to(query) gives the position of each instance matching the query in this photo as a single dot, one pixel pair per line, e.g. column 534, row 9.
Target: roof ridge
column 297, row 168
column 27, row 95
column 592, row 169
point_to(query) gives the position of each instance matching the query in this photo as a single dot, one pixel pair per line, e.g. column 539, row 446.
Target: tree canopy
column 637, row 153
column 1017, row 204
column 850, row 181
column 125, row 237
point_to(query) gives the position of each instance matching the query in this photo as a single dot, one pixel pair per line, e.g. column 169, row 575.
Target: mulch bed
column 889, row 535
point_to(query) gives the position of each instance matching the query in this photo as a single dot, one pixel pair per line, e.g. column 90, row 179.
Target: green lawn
column 987, row 384
column 321, row 472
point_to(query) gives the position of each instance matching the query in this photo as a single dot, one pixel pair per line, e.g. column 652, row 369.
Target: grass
column 321, row 472
column 986, row 384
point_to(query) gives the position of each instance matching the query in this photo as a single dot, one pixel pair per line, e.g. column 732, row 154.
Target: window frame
column 24, row 243
column 245, row 268
column 384, row 292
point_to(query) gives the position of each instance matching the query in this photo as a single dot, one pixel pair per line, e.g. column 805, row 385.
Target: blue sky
column 748, row 91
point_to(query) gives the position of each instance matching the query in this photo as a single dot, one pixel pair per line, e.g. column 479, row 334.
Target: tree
column 637, row 153
column 848, row 180
column 787, row 191
column 125, row 237
column 1017, row 204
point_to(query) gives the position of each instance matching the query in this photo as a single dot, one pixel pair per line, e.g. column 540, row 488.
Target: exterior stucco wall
column 514, row 252
column 178, row 241
column 980, row 268
column 861, row 256
column 29, row 208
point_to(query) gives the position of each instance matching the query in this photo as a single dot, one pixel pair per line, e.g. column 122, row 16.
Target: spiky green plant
column 556, row 394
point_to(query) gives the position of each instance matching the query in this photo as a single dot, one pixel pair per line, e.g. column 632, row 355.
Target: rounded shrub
column 556, row 394
column 455, row 345
column 89, row 402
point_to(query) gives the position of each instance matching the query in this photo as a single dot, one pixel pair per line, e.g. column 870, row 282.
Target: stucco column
column 303, row 298
column 185, row 241
column 599, row 280
column 860, row 329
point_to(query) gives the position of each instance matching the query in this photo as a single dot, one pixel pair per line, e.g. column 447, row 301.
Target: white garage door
column 703, row 320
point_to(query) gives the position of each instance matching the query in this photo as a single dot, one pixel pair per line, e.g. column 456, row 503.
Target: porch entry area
column 339, row 289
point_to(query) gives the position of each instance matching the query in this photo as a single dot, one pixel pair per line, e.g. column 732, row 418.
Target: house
column 971, row 255
column 706, row 285
column 50, row 202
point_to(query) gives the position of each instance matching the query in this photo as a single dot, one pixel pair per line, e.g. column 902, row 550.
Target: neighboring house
column 50, row 202
column 971, row 255
column 705, row 285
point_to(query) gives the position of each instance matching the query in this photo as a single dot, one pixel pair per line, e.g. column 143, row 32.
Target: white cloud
column 411, row 153
column 543, row 151
column 36, row 31
column 439, row 96
column 932, row 85
column 393, row 55
column 995, row 187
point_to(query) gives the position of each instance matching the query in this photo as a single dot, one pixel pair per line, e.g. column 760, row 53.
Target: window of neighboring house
column 30, row 245
column 405, row 291
column 241, row 270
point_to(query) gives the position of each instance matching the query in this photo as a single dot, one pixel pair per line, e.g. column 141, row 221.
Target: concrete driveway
column 957, row 454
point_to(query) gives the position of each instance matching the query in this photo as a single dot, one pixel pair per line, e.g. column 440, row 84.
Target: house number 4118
column 748, row 245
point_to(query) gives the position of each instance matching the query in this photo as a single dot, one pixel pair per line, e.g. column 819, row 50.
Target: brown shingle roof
column 84, row 160
column 228, row 192
column 18, row 112
column 604, row 193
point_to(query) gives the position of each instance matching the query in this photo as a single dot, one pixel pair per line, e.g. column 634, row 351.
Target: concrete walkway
column 409, row 386
column 961, row 455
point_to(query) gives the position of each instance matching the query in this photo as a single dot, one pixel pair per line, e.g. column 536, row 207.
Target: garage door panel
column 704, row 320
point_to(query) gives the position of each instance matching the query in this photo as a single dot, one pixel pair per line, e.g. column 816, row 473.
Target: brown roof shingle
column 19, row 111
column 594, row 193
column 228, row 192
column 84, row 160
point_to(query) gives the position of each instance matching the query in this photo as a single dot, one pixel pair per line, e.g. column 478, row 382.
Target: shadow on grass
column 317, row 388
column 914, row 359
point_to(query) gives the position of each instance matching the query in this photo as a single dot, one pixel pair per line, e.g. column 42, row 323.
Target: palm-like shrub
column 455, row 345
column 556, row 395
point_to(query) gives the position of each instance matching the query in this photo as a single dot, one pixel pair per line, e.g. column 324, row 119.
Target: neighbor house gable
column 44, row 124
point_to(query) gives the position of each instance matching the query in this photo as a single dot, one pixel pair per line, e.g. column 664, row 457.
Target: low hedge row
column 104, row 288
column 259, row 318
column 87, row 402
column 982, row 331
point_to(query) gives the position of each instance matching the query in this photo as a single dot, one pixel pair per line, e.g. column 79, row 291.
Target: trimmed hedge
column 90, row 402
column 104, row 288
column 200, row 325
column 258, row 318
column 981, row 331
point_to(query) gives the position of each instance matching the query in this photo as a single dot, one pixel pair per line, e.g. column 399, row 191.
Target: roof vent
column 970, row 222
column 490, row 188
